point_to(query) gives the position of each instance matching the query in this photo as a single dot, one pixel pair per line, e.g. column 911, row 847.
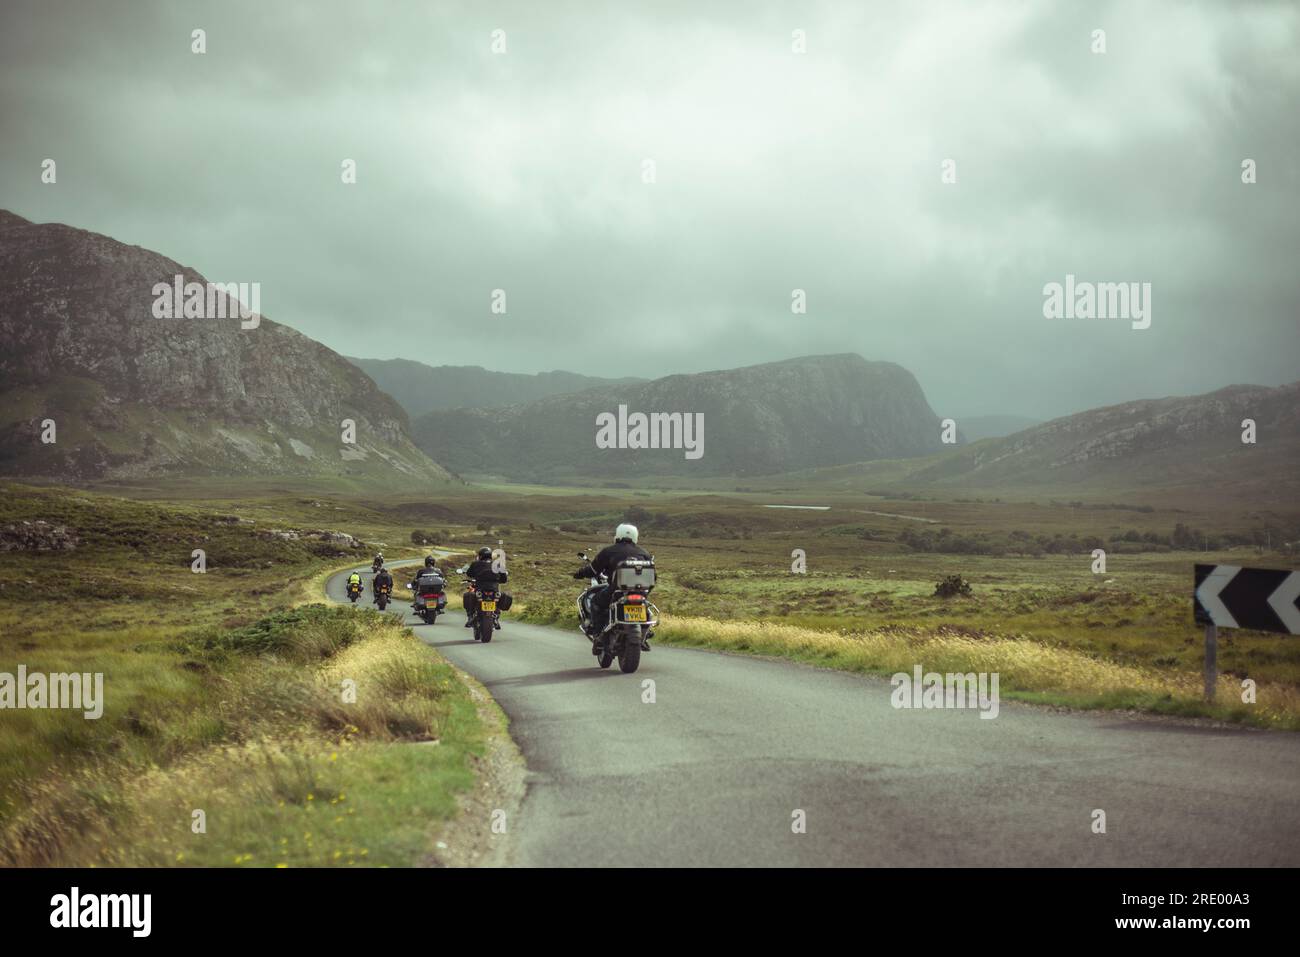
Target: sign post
column 1211, row 661
column 1229, row 596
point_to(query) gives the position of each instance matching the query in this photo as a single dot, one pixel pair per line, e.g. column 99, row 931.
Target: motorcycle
column 627, row 629
column 488, row 617
column 376, row 565
column 431, row 600
column 382, row 596
column 354, row 591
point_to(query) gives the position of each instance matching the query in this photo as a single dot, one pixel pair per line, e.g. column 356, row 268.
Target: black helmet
column 428, row 561
column 485, row 553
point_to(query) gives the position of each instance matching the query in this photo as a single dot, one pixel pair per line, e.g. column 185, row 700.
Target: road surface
column 734, row 751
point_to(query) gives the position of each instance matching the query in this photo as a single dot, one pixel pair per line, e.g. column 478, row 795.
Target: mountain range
column 757, row 420
column 421, row 388
column 1242, row 439
column 94, row 385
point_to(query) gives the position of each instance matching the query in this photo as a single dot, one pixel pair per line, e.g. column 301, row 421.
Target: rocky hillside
column 1187, row 441
column 818, row 410
column 423, row 388
column 132, row 395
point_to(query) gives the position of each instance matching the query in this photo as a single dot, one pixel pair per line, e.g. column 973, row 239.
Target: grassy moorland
column 1057, row 631
column 223, row 694
column 223, row 688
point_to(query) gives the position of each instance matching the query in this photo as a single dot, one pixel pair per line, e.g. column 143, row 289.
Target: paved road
column 713, row 772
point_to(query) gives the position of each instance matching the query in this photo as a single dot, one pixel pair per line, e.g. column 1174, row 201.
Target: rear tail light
column 635, row 599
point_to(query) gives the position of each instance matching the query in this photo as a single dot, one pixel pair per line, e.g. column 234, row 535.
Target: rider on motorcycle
column 382, row 578
column 430, row 569
column 379, row 558
column 482, row 573
column 624, row 547
column 354, row 580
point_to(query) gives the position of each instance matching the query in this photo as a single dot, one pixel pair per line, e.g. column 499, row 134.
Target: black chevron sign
column 1260, row 598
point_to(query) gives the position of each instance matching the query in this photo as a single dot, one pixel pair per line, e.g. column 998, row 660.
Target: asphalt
column 732, row 752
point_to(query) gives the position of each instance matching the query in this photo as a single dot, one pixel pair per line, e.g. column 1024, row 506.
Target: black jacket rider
column 481, row 573
column 603, row 564
column 609, row 557
column 427, row 572
column 382, row 578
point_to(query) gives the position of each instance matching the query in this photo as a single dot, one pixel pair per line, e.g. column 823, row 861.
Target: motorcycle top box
column 633, row 575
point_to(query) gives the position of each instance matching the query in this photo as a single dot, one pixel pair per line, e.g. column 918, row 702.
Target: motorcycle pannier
column 504, row 601
column 633, row 575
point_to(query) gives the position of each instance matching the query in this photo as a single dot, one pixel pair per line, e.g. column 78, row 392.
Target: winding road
column 733, row 752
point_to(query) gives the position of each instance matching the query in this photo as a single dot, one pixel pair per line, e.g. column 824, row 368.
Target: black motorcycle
column 489, row 602
column 626, row 630
column 430, row 599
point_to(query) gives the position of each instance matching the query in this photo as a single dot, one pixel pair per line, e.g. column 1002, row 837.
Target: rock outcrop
column 130, row 395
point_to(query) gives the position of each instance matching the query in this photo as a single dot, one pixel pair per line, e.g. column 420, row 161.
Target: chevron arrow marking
column 1282, row 601
column 1208, row 594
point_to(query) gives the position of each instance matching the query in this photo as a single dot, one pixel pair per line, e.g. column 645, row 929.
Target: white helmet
column 625, row 531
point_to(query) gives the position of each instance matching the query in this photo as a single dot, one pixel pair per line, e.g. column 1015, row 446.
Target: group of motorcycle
column 623, row 633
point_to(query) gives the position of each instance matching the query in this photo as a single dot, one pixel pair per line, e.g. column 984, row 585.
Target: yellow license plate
column 634, row 613
column 488, row 605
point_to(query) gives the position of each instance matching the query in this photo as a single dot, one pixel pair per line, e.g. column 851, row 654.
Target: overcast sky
column 775, row 171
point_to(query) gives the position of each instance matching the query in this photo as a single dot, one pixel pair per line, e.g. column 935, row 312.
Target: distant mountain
column 818, row 410
column 132, row 395
column 423, row 388
column 1192, row 442
column 976, row 427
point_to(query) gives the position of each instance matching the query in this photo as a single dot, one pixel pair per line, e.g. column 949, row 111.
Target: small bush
column 952, row 586
column 309, row 633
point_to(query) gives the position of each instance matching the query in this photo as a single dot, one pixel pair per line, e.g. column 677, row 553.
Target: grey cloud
column 775, row 172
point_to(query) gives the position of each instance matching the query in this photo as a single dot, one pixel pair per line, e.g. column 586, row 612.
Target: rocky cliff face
column 134, row 395
column 819, row 410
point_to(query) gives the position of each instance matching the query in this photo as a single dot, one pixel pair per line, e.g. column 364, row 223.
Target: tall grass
column 266, row 756
column 1028, row 670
